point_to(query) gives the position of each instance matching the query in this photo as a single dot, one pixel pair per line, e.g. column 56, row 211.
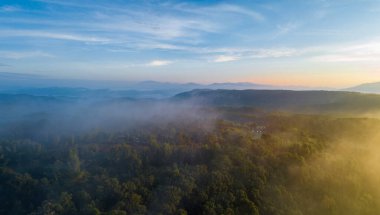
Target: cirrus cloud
column 9, row 8
column 16, row 55
column 155, row 63
column 225, row 58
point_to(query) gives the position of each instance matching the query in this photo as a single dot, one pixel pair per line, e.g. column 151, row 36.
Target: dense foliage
column 296, row 167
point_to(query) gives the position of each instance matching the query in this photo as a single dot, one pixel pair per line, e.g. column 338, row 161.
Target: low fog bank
column 343, row 178
column 49, row 116
column 35, row 116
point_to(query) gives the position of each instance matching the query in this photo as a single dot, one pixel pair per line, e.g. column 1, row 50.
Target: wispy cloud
column 23, row 54
column 162, row 28
column 286, row 28
column 322, row 32
column 156, row 63
column 4, row 65
column 234, row 54
column 219, row 10
column 344, row 58
column 9, row 8
column 354, row 52
column 275, row 53
column 359, row 52
column 132, row 27
column 140, row 36
column 225, row 58
column 239, row 10
column 50, row 35
column 164, row 24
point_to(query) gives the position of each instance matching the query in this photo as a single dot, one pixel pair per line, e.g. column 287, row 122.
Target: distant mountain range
column 152, row 90
column 17, row 81
column 366, row 88
column 14, row 83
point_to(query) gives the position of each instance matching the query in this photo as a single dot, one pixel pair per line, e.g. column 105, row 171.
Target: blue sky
column 290, row 42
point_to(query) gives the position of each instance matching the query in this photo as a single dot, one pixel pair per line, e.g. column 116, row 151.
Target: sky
column 329, row 43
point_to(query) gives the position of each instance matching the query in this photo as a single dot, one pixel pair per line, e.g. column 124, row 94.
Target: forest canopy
column 299, row 164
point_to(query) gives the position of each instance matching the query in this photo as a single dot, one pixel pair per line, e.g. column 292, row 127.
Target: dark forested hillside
column 286, row 100
column 294, row 164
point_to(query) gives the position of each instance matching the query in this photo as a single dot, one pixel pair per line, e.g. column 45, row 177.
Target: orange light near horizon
column 330, row 80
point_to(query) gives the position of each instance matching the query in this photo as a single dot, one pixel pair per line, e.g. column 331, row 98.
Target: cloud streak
column 219, row 10
column 243, row 54
column 4, row 65
column 225, row 58
column 359, row 52
column 16, row 55
column 51, row 35
column 9, row 8
column 156, row 63
column 286, row 28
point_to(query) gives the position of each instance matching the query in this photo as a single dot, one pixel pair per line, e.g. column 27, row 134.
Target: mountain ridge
column 373, row 87
column 285, row 99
